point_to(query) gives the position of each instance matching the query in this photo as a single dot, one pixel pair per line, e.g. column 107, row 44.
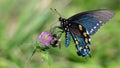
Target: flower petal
column 45, row 38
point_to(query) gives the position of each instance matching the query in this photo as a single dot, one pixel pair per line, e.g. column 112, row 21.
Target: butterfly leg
column 54, row 28
column 61, row 33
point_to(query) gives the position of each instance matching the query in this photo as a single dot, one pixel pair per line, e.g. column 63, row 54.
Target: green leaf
column 46, row 57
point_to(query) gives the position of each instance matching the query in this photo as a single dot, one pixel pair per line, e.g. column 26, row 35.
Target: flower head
column 45, row 38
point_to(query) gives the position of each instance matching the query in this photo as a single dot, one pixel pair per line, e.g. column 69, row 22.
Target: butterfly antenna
column 54, row 10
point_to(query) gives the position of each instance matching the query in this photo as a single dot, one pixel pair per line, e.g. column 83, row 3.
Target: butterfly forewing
column 92, row 20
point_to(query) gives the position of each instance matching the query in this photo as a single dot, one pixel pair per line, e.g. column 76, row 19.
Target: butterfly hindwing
column 81, row 39
column 92, row 20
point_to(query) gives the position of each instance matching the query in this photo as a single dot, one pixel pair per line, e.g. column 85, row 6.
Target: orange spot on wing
column 76, row 42
column 80, row 27
column 86, row 40
column 86, row 47
column 81, row 47
column 85, row 34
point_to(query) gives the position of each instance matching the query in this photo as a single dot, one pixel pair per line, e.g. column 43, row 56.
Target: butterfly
column 81, row 26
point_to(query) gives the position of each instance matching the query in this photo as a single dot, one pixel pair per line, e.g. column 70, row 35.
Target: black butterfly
column 81, row 26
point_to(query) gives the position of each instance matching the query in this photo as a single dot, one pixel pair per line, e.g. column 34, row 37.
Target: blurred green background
column 21, row 22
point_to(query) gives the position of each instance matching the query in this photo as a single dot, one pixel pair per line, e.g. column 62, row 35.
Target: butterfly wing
column 81, row 39
column 92, row 20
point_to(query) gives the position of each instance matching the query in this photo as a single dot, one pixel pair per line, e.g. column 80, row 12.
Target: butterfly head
column 63, row 22
column 62, row 19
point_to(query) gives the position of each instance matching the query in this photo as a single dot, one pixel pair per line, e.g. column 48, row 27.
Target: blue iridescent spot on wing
column 67, row 37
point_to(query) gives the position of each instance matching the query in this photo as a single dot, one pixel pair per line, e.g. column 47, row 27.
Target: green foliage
column 21, row 22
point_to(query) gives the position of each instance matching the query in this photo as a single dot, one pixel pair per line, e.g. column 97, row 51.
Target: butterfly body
column 81, row 26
